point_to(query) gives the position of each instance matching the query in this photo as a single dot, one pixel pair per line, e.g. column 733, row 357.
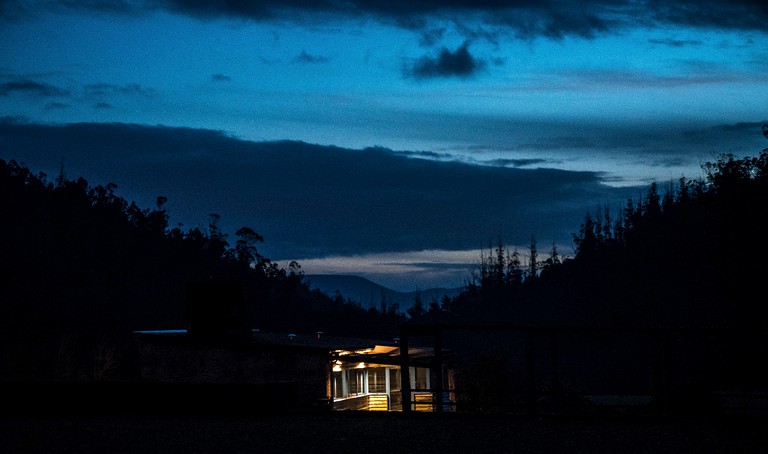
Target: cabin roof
column 316, row 340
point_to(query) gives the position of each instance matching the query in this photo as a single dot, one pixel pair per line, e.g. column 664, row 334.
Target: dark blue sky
column 388, row 139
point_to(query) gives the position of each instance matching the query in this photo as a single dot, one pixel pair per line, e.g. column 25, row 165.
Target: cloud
column 405, row 271
column 524, row 18
column 557, row 21
column 552, row 17
column 101, row 95
column 103, row 89
column 12, row 10
column 737, row 14
column 430, row 37
column 304, row 57
column 220, row 78
column 426, row 154
column 130, row 7
column 459, row 63
column 692, row 73
column 676, row 42
column 31, row 88
column 519, row 162
column 314, row 201
column 56, row 106
column 742, row 127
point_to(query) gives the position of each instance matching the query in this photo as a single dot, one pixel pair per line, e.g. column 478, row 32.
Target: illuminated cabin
column 294, row 370
column 340, row 373
column 371, row 379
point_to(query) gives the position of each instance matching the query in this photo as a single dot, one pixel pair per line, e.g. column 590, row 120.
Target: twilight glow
column 391, row 137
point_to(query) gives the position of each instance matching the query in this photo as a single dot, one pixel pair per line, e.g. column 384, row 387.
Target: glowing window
column 377, row 380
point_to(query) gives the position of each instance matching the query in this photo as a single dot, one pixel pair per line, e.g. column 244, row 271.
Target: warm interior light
column 337, row 367
column 360, row 366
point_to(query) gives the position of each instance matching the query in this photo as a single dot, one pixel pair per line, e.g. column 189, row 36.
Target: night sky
column 389, row 139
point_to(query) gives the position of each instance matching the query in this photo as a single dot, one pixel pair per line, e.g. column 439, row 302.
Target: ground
column 333, row 432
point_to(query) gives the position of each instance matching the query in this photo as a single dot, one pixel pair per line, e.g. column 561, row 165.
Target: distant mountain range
column 369, row 294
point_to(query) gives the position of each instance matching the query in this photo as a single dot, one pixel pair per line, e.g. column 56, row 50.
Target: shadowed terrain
column 378, row 433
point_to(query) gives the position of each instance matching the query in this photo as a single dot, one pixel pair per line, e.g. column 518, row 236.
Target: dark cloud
column 102, row 95
column 56, row 106
column 430, row 37
column 309, row 200
column 103, row 89
column 676, row 42
column 403, row 11
column 735, row 14
column 24, row 9
column 529, row 18
column 523, row 18
column 13, row 120
column 131, row 7
column 31, row 88
column 304, row 57
column 220, row 78
column 519, row 163
column 429, row 265
column 567, row 19
column 12, row 10
column 258, row 10
column 459, row 63
column 743, row 127
column 695, row 74
column 426, row 154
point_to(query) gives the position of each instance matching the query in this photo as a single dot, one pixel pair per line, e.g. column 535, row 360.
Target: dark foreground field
column 335, row 432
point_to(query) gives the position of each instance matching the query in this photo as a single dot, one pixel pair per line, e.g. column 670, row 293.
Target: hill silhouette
column 82, row 268
column 369, row 294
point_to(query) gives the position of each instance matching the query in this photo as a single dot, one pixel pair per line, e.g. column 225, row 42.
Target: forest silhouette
column 83, row 268
column 687, row 257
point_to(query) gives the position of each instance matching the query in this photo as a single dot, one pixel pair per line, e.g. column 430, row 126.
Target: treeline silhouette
column 664, row 297
column 82, row 268
column 685, row 263
column 688, row 257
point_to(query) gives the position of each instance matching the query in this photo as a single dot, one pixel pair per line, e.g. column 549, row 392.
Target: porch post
column 437, row 364
column 329, row 388
column 405, row 376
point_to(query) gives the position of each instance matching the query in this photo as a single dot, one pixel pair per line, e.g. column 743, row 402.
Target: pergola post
column 405, row 375
column 437, row 366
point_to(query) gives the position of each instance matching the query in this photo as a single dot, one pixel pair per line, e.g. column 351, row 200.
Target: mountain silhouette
column 369, row 294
